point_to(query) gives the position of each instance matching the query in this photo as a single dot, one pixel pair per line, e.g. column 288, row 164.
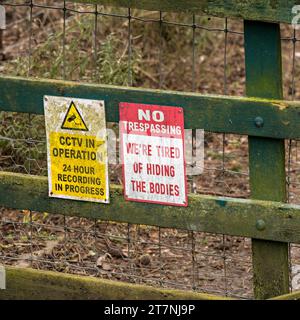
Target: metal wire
column 143, row 254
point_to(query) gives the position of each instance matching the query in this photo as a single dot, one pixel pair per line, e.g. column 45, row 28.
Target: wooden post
column 266, row 156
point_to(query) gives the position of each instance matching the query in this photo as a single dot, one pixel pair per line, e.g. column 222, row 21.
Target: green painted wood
column 30, row 284
column 266, row 156
column 238, row 217
column 264, row 10
column 290, row 296
column 209, row 112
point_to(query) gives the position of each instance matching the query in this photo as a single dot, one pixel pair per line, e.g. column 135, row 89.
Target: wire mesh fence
column 135, row 253
column 120, row 46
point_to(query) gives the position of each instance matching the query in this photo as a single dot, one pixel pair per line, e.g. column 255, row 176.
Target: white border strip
column 2, row 278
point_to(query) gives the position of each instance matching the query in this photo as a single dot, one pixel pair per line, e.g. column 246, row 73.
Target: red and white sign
column 152, row 148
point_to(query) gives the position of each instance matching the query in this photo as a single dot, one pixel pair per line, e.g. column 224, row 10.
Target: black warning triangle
column 73, row 119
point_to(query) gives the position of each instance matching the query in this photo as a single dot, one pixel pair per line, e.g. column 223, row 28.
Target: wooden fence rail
column 262, row 10
column 267, row 120
column 225, row 114
column 238, row 217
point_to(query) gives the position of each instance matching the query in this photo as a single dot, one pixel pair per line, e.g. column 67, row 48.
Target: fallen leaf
column 106, row 266
column 101, row 260
column 145, row 259
column 91, row 253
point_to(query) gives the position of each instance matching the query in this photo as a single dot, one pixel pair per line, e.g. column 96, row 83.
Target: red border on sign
column 122, row 131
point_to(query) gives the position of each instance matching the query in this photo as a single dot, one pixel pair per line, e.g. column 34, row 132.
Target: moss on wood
column 263, row 10
column 209, row 112
column 230, row 216
column 30, row 284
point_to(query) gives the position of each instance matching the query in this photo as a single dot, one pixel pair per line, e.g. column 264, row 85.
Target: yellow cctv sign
column 76, row 149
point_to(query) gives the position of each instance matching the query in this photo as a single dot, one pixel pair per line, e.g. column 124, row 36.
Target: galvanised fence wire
column 130, row 47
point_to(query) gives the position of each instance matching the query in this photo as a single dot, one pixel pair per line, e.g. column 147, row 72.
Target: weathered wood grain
column 264, row 10
column 208, row 112
column 238, row 217
column 266, row 156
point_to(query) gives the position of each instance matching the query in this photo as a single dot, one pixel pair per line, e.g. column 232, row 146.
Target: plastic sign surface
column 76, row 149
column 152, row 149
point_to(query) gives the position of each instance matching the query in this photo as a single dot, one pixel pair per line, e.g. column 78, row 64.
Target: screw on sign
column 152, row 149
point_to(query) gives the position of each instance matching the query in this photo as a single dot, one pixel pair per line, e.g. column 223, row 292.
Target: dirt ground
column 162, row 57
